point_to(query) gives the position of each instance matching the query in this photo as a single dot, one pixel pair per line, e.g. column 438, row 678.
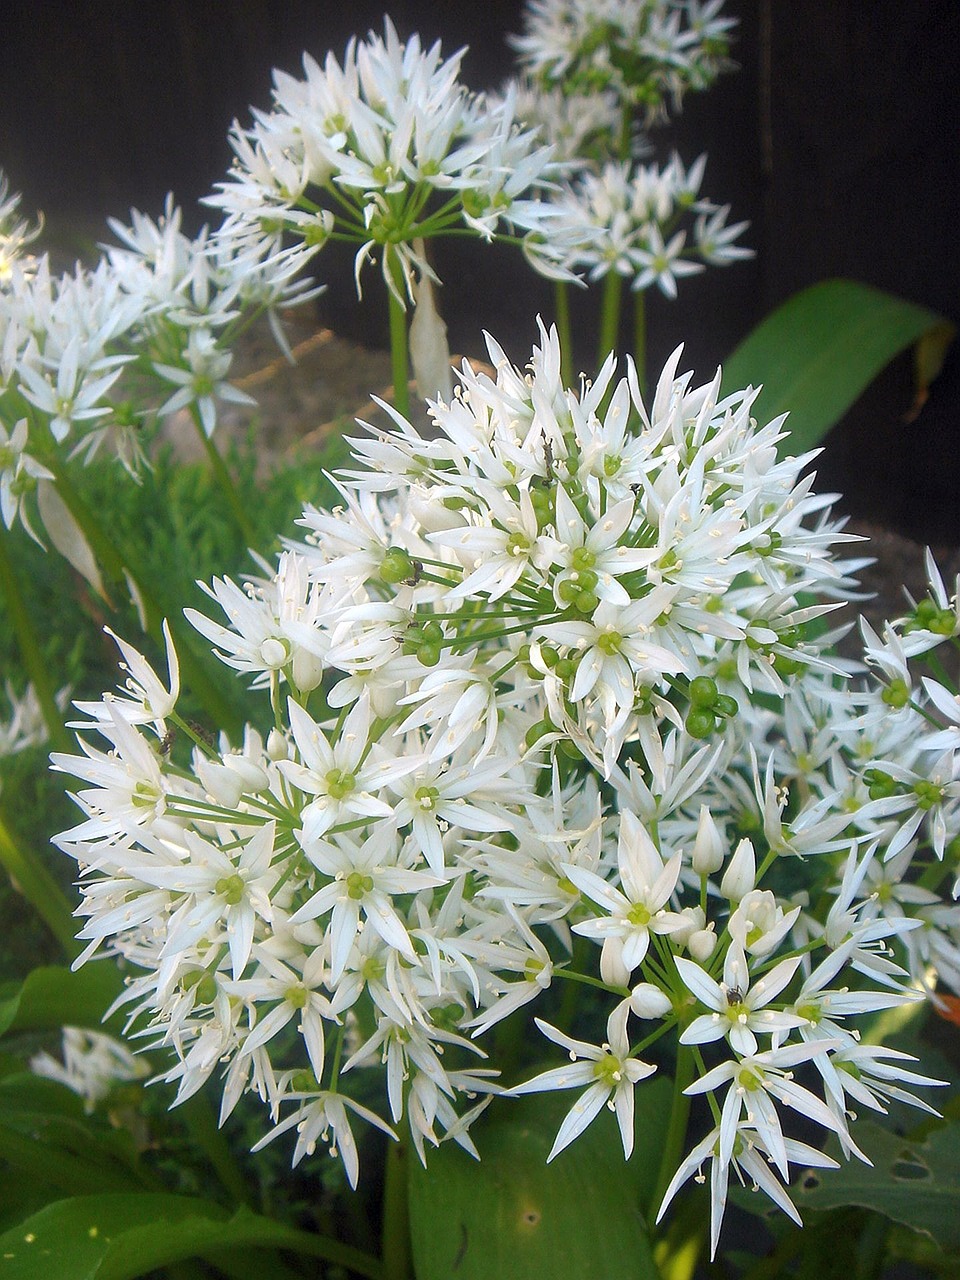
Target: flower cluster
column 587, row 68
column 550, row 672
column 647, row 53
column 92, row 1065
column 24, row 727
column 89, row 358
column 626, row 219
column 386, row 150
column 15, row 233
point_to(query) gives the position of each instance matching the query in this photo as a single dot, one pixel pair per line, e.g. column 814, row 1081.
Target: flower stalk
column 399, row 354
column 396, row 1215
column 224, row 480
column 676, row 1129
column 561, row 296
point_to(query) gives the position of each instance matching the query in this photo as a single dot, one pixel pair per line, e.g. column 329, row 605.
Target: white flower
column 750, row 1157
column 739, row 1009
column 343, row 777
column 607, row 1073
column 318, row 1116
column 93, row 1064
column 638, row 909
column 757, row 1082
column 365, row 876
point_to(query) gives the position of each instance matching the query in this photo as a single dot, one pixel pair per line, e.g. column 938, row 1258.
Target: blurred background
column 837, row 138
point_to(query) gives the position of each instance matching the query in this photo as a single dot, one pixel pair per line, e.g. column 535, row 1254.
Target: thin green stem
column 38, row 670
column 224, row 480
column 396, row 1218
column 588, row 980
column 561, row 295
column 677, row 1128
column 399, row 358
column 35, row 883
column 610, row 315
column 640, row 337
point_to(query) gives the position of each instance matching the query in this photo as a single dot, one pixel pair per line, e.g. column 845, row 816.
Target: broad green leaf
column 121, row 1237
column 53, row 997
column 914, row 1183
column 46, row 1135
column 512, row 1214
column 818, row 351
column 20, row 1197
column 72, row 1238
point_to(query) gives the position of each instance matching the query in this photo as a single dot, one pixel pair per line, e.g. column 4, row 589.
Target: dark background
column 837, row 138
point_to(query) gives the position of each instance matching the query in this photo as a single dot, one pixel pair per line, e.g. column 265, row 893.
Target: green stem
column 35, row 883
column 573, row 976
column 676, row 1130
column 609, row 315
column 38, row 670
column 640, row 337
column 225, row 480
column 561, row 294
column 399, row 359
column 396, row 1221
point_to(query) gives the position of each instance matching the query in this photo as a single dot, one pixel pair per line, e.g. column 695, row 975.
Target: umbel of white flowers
column 545, row 672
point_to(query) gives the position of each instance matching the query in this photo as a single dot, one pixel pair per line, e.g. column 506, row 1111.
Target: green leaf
column 46, row 1135
column 914, row 1183
column 121, row 1237
column 514, row 1215
column 818, row 351
column 53, row 997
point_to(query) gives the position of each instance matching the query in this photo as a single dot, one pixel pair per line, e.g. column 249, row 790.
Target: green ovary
column 340, row 783
column 608, row 1070
column 358, row 885
column 610, row 643
column 231, row 888
column 639, row 914
column 426, row 798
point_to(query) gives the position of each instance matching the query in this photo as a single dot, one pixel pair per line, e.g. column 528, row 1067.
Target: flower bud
column 251, row 775
column 648, row 1001
column 741, row 873
column 277, row 748
column 612, row 968
column 225, row 786
column 307, row 669
column 756, row 922
column 274, row 652
column 702, row 944
column 708, row 846
column 693, row 919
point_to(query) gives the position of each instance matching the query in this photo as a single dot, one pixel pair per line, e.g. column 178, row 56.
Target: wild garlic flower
column 627, row 218
column 15, row 232
column 93, row 1065
column 386, row 150
column 90, row 359
column 25, row 727
column 582, row 128
column 546, row 671
column 647, row 52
